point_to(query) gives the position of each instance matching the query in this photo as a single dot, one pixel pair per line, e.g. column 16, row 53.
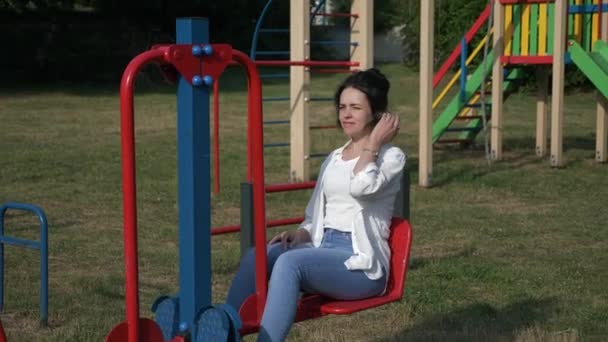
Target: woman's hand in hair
column 386, row 129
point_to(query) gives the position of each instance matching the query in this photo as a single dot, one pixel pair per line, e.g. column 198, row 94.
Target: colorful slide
column 593, row 64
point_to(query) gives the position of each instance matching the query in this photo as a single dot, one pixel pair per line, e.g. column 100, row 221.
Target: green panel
column 601, row 47
column 508, row 84
column 533, row 30
column 551, row 29
column 516, row 50
column 594, row 66
column 587, row 28
column 453, row 108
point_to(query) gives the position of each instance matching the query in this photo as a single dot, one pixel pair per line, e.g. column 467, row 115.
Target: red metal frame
column 333, row 71
column 216, row 136
column 323, row 127
column 289, row 187
column 526, row 59
column 269, row 224
column 181, row 58
column 256, row 175
column 2, row 334
column 306, row 63
column 127, row 138
column 517, row 2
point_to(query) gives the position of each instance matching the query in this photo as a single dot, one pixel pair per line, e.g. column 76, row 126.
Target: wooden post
column 542, row 96
column 497, row 82
column 601, row 139
column 425, row 153
column 557, row 93
column 362, row 32
column 299, row 90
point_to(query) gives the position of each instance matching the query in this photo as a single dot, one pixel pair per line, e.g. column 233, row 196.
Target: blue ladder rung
column 271, row 76
column 267, row 30
column 276, row 145
column 276, row 98
column 334, row 42
column 461, row 129
column 276, row 122
column 20, row 242
column 321, row 99
column 586, row 8
column 273, row 53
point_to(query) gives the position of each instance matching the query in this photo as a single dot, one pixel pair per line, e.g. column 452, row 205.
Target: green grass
column 511, row 251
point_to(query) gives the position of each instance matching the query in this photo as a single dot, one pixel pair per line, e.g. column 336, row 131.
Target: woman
column 341, row 249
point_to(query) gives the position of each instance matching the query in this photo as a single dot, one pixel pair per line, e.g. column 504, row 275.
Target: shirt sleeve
column 376, row 175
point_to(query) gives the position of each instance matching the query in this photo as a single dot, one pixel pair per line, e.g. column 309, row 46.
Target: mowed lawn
column 504, row 251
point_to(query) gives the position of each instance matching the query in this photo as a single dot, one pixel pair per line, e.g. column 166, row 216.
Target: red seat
column 313, row 306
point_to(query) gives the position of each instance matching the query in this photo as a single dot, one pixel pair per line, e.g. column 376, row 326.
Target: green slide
column 593, row 64
column 455, row 106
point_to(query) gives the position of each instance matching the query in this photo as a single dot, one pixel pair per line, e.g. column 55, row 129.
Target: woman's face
column 355, row 113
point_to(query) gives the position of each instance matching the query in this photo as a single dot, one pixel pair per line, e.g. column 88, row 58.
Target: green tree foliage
column 386, row 12
column 452, row 19
column 21, row 6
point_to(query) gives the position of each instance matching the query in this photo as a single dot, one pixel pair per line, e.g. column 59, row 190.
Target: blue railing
column 41, row 245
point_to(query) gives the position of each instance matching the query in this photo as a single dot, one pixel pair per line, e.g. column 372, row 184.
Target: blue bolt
column 208, row 50
column 197, row 81
column 208, row 80
column 197, row 50
column 183, row 326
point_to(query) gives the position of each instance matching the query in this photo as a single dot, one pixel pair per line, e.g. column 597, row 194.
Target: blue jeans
column 302, row 268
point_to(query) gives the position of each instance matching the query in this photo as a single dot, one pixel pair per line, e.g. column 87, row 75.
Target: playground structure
column 300, row 68
column 190, row 316
column 527, row 32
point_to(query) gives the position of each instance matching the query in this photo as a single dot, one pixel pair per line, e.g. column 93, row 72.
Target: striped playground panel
column 529, row 28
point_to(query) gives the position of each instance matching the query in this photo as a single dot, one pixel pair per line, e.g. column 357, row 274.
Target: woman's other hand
column 292, row 238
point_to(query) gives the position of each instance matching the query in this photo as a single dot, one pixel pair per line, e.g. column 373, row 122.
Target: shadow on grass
column 420, row 262
column 480, row 322
column 518, row 153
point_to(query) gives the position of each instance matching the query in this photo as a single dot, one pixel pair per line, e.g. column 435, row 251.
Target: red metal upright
column 127, row 138
column 256, row 174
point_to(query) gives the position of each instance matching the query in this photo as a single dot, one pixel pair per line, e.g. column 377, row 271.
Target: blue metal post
column 193, row 164
column 463, row 70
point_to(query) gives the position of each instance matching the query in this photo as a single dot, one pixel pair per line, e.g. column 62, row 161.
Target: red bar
column 225, row 229
column 526, row 59
column 515, row 2
column 323, row 127
column 289, row 187
column 469, row 117
column 127, row 140
column 456, row 53
column 337, row 15
column 333, row 71
column 269, row 224
column 307, row 63
column 255, row 167
column 285, row 222
column 216, row 137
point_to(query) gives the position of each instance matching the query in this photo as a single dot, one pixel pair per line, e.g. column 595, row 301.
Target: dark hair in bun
column 373, row 84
